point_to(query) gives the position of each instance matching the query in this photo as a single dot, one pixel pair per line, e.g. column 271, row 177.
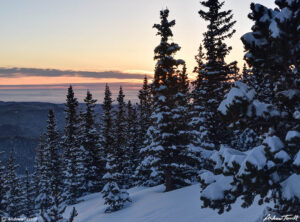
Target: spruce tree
column 270, row 170
column 132, row 142
column 199, row 111
column 145, row 110
column 115, row 197
column 56, row 211
column 40, row 188
column 116, row 176
column 73, row 154
column 2, row 189
column 166, row 153
column 90, row 141
column 213, row 74
column 107, row 121
column 28, row 204
column 52, row 153
column 120, row 143
column 107, row 137
column 13, row 198
column 49, row 164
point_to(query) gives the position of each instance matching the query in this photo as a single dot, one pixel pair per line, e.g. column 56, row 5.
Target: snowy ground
column 153, row 205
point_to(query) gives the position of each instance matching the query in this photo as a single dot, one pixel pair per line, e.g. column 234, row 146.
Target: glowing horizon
column 101, row 36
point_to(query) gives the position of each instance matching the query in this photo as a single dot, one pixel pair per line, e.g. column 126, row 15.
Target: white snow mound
column 153, row 205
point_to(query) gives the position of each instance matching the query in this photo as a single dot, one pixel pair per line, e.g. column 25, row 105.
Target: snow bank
column 153, row 205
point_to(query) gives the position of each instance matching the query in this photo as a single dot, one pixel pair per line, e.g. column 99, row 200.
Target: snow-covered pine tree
column 270, row 170
column 239, row 111
column 114, row 196
column 28, row 199
column 199, row 112
column 133, row 145
column 107, row 121
column 145, row 111
column 49, row 168
column 73, row 154
column 120, row 142
column 57, row 209
column 188, row 155
column 2, row 189
column 39, row 172
column 52, row 154
column 165, row 155
column 94, row 160
column 113, row 193
column 107, row 137
column 261, row 55
column 13, row 198
column 213, row 74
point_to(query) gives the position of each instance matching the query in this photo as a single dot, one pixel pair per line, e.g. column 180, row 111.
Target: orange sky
column 97, row 35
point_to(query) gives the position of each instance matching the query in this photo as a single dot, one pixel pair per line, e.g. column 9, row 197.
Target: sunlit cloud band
column 21, row 72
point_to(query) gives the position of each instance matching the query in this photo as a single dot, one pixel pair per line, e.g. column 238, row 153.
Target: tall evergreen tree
column 120, row 143
column 49, row 167
column 38, row 177
column 188, row 156
column 13, row 199
column 114, row 195
column 199, row 111
column 145, row 111
column 107, row 136
column 165, row 153
column 132, row 142
column 56, row 211
column 113, row 192
column 107, row 121
column 73, row 164
column 213, row 75
column 271, row 170
column 52, row 154
column 90, row 141
column 2, row 189
column 28, row 204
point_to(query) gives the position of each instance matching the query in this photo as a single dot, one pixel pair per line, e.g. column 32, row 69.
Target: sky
column 47, row 45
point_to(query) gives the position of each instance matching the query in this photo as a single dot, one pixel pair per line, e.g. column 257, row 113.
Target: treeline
column 236, row 133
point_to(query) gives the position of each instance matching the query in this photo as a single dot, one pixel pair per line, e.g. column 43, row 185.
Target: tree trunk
column 168, row 181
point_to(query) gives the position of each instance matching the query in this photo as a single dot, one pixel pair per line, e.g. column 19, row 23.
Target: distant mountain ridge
column 21, row 124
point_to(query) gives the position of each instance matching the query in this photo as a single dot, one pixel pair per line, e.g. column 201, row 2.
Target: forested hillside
column 235, row 133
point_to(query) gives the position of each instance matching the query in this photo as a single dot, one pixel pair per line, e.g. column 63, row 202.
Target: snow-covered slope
column 153, row 205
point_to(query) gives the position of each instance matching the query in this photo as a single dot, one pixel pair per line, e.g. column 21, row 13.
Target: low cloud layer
column 21, row 72
column 113, row 85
